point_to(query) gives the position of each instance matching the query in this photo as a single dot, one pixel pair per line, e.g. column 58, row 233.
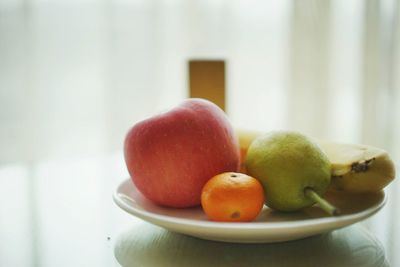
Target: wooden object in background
column 207, row 80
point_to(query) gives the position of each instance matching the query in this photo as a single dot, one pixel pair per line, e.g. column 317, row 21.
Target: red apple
column 172, row 155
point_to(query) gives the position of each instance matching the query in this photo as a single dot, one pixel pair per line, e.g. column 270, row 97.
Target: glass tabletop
column 61, row 213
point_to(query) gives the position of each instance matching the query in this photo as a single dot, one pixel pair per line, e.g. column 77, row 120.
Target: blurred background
column 75, row 75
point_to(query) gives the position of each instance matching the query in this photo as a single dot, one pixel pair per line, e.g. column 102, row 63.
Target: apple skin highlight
column 172, row 155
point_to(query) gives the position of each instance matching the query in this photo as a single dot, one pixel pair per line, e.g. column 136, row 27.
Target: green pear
column 293, row 170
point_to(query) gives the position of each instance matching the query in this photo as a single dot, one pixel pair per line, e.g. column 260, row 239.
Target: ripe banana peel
column 354, row 168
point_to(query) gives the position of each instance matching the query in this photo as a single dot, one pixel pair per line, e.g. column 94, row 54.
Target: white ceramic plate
column 269, row 226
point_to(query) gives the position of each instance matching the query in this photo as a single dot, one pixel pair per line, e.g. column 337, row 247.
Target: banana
column 358, row 168
column 354, row 168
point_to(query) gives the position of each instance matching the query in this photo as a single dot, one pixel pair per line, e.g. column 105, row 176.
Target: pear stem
column 325, row 205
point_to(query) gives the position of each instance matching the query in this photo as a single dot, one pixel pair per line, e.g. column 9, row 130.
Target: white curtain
column 75, row 75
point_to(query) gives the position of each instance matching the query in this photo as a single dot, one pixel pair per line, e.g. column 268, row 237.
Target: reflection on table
column 148, row 245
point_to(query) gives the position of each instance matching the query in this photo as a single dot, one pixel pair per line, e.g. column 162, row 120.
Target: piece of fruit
column 293, row 170
column 172, row 155
column 245, row 139
column 354, row 168
column 358, row 168
column 232, row 197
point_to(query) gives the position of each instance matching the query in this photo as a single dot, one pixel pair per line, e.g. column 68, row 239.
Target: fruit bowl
column 270, row 226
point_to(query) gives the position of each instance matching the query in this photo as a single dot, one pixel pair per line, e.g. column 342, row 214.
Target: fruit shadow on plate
column 347, row 203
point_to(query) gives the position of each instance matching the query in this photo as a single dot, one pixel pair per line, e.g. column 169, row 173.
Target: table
column 61, row 213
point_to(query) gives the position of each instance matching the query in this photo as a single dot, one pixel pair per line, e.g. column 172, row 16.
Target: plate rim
column 324, row 221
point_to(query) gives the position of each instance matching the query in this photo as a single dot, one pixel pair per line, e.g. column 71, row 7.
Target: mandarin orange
column 232, row 197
